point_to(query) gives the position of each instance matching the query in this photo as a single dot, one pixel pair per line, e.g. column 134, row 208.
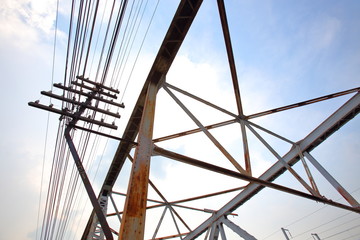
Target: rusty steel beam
column 207, row 195
column 260, row 114
column 170, row 237
column 174, row 37
column 169, row 205
column 347, row 196
column 339, row 118
column 303, row 103
column 207, row 133
column 133, row 221
column 245, row 177
column 163, row 198
column 230, row 54
column 200, row 100
column 196, row 130
column 280, row 159
column 178, row 29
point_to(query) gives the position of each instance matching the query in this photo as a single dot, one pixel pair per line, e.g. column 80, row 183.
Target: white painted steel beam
column 347, row 196
column 241, row 232
column 345, row 113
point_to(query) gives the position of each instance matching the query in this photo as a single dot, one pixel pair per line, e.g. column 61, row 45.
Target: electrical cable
column 302, row 218
column 122, row 65
column 121, row 48
column 342, row 232
column 63, row 190
column 137, row 56
column 90, row 38
column 98, row 37
column 105, row 39
column 322, row 224
column 113, row 41
column 338, row 225
column 355, row 235
column 42, row 175
column 47, row 121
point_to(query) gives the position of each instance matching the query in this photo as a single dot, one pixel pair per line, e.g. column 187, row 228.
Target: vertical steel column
column 133, row 222
column 231, row 59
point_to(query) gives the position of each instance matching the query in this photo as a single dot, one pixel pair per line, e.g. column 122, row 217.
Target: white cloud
column 24, row 23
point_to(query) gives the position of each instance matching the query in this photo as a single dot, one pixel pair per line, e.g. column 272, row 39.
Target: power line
column 137, row 56
column 346, row 230
column 304, row 217
column 322, row 224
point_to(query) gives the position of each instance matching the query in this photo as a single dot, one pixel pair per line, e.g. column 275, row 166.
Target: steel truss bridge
column 138, row 145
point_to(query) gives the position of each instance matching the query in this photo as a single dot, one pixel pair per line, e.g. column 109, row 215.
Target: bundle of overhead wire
column 104, row 40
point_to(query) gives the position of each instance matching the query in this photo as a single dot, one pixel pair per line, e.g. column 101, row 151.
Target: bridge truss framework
column 141, row 124
column 138, row 136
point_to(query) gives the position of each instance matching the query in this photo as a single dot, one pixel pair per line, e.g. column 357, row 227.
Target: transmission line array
column 98, row 31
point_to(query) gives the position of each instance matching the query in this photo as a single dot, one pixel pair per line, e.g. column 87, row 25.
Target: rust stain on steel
column 133, row 223
column 348, row 198
column 246, row 155
column 171, row 236
column 245, row 177
column 231, row 60
column 196, row 130
column 301, row 104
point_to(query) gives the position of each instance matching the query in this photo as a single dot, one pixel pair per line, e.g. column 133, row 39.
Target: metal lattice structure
column 142, row 120
column 139, row 146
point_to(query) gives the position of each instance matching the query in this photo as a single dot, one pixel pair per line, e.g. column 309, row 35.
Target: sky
column 285, row 52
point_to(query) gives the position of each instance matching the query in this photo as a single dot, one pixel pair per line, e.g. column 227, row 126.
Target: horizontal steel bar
column 88, row 95
column 170, row 205
column 66, row 113
column 150, row 200
column 147, row 208
column 198, row 209
column 300, row 104
column 103, row 134
column 200, row 99
column 245, row 177
column 97, row 84
column 196, row 130
column 52, row 95
column 207, row 195
column 169, row 237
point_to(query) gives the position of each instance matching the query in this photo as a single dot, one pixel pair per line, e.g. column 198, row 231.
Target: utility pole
column 285, row 233
column 76, row 108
